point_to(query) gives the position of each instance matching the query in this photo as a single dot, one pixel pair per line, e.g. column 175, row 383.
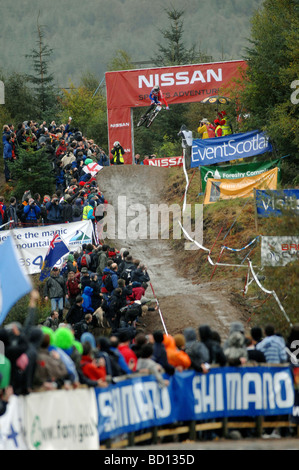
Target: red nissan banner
column 127, row 89
column 165, row 162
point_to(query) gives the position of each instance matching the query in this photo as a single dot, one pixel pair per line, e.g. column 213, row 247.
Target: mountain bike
column 148, row 119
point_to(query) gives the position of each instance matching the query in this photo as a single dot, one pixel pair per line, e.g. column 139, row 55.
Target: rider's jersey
column 157, row 97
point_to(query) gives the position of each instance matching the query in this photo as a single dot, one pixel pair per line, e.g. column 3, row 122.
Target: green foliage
column 88, row 111
column 121, row 61
column 272, row 68
column 175, row 51
column 19, row 98
column 41, row 79
column 33, row 168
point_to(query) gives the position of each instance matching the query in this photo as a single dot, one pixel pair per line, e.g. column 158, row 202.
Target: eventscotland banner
column 230, row 147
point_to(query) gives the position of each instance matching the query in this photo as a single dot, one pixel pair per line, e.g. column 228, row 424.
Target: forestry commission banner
column 218, row 189
column 235, row 171
column 140, row 403
column 279, row 251
column 230, row 147
column 32, row 243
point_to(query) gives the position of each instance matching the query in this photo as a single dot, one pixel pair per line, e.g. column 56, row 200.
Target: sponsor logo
column 120, row 124
column 180, row 78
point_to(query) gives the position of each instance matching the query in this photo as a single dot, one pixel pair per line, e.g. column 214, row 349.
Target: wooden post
column 224, row 428
column 192, row 432
column 131, row 436
column 255, row 212
column 259, row 426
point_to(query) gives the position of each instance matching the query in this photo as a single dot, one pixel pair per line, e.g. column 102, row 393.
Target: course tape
column 272, row 292
column 244, row 247
column 231, row 249
column 239, row 266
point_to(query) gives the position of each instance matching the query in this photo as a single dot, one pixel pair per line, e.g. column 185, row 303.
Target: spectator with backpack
column 126, row 271
column 77, row 209
column 109, row 279
column 84, row 279
column 102, row 259
column 82, row 326
column 75, row 313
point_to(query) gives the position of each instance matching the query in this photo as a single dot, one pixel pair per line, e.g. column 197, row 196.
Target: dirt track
column 181, row 303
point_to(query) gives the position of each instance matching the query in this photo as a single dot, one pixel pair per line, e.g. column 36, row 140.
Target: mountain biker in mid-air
column 156, row 96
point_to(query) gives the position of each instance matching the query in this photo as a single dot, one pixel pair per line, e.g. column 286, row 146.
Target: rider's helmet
column 156, row 89
column 116, row 143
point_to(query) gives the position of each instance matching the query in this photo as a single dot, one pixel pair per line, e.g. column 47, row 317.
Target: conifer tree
column 41, row 79
column 175, row 52
column 32, row 170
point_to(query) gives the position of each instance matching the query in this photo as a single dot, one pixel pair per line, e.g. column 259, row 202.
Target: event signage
column 235, row 171
column 229, row 147
column 47, row 421
column 32, row 243
column 273, row 202
column 62, row 420
column 129, row 89
column 279, row 251
column 218, row 189
column 137, row 404
column 164, row 162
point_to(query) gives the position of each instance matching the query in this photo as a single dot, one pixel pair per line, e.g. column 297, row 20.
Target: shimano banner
column 229, row 147
column 140, row 403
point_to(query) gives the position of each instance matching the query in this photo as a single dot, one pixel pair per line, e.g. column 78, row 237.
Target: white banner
column 12, row 430
column 33, row 242
column 62, row 420
column 279, row 251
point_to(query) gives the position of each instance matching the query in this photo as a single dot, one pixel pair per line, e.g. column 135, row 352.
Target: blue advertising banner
column 271, row 202
column 230, row 147
column 140, row 403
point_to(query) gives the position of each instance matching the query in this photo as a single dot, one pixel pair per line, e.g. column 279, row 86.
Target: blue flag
column 14, row 281
column 56, row 251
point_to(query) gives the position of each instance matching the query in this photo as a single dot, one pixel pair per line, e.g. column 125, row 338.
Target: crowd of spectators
column 95, row 332
column 98, row 304
column 70, row 154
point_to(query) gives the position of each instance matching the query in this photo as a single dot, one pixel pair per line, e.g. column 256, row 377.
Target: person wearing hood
column 179, row 359
column 88, row 210
column 236, row 352
column 77, row 208
column 216, row 354
column 234, row 326
column 67, row 209
column 196, row 350
column 50, row 370
column 87, row 299
column 94, row 370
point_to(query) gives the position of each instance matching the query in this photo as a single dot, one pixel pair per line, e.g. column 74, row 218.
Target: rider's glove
column 167, row 107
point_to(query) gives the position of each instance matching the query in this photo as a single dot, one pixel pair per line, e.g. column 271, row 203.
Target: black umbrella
column 216, row 99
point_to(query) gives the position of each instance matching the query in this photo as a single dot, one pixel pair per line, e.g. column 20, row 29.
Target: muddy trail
column 131, row 190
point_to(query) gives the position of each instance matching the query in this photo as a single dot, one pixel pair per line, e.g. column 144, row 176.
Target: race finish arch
column 129, row 89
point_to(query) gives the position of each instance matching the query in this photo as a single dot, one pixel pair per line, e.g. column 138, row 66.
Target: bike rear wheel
column 142, row 120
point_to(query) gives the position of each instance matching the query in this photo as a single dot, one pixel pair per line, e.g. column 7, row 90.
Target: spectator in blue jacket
column 32, row 213
column 7, row 155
